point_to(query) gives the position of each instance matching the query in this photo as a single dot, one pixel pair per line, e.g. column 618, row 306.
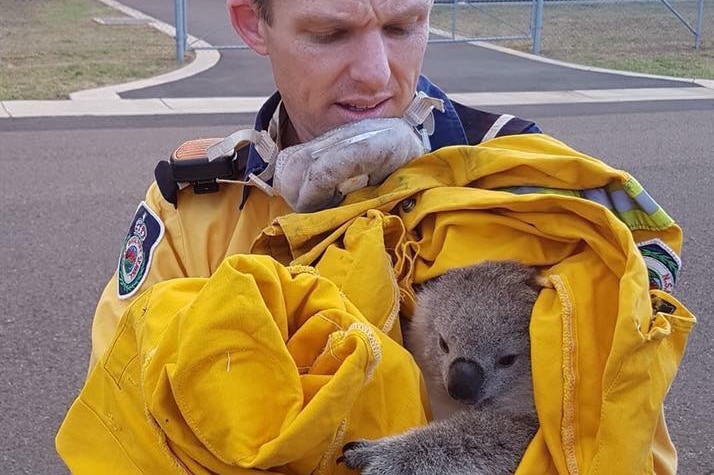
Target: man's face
column 338, row 61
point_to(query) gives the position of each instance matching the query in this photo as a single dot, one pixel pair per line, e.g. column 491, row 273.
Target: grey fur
column 482, row 312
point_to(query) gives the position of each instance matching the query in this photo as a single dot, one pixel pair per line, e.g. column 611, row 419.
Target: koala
column 470, row 337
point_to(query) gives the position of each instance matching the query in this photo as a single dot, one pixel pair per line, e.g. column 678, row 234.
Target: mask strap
column 264, row 145
column 420, row 113
column 268, row 151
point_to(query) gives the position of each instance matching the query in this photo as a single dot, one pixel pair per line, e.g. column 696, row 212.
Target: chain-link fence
column 650, row 36
column 665, row 37
column 490, row 20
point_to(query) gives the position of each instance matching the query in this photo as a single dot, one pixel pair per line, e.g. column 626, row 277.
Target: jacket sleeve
column 165, row 260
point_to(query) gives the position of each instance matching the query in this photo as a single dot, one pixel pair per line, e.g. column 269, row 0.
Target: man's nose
column 370, row 66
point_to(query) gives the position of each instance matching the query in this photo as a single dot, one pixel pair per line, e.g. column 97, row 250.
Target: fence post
column 537, row 26
column 180, row 19
column 698, row 32
column 453, row 20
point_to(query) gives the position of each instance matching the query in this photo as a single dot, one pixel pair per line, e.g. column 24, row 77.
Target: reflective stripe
column 496, row 127
column 647, row 202
column 622, row 201
column 633, row 198
column 600, row 196
column 541, row 190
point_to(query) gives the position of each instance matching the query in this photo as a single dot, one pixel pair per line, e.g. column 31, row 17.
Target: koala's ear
column 539, row 281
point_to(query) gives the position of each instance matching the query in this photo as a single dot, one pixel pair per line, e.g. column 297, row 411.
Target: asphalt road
column 71, row 186
column 454, row 67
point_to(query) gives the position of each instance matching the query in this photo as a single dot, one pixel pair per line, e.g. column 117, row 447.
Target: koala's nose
column 465, row 380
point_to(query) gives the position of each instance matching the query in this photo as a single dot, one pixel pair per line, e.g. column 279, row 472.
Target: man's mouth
column 363, row 109
column 358, row 108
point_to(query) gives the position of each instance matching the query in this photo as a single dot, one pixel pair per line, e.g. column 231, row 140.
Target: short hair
column 264, row 10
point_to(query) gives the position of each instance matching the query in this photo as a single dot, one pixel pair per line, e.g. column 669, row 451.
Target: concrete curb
column 708, row 83
column 132, row 107
column 238, row 105
column 584, row 96
column 205, row 59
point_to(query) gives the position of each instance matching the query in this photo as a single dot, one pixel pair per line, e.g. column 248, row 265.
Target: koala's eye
column 442, row 344
column 506, row 361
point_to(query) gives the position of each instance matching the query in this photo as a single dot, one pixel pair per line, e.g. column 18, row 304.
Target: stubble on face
column 337, row 61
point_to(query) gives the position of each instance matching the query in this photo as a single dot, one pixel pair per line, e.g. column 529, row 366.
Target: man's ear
column 248, row 23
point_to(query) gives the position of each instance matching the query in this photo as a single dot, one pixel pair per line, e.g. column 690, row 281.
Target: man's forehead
column 350, row 8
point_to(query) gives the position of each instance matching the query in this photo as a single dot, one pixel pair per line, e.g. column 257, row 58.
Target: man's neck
column 281, row 128
column 288, row 136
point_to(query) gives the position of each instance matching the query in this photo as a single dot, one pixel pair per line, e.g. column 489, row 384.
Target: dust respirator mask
column 319, row 173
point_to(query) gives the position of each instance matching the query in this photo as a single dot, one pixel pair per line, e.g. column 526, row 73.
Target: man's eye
column 331, row 37
column 398, row 30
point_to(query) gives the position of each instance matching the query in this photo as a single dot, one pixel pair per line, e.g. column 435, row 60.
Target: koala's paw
column 372, row 458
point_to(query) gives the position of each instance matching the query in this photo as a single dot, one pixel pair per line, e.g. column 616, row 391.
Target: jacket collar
column 448, row 128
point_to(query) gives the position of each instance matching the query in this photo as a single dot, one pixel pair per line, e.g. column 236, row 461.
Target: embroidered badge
column 663, row 264
column 144, row 235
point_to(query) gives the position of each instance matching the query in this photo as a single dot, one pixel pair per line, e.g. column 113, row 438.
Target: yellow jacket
column 605, row 347
column 260, row 366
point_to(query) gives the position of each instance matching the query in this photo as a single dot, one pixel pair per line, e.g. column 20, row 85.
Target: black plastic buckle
column 203, row 174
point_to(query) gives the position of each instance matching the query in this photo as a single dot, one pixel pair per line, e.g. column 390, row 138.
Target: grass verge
column 49, row 49
column 638, row 36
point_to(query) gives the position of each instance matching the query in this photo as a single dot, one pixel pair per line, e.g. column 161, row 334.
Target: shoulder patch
column 145, row 233
column 662, row 262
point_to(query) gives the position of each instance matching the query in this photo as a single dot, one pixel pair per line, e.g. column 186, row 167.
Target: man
column 340, row 64
column 334, row 62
